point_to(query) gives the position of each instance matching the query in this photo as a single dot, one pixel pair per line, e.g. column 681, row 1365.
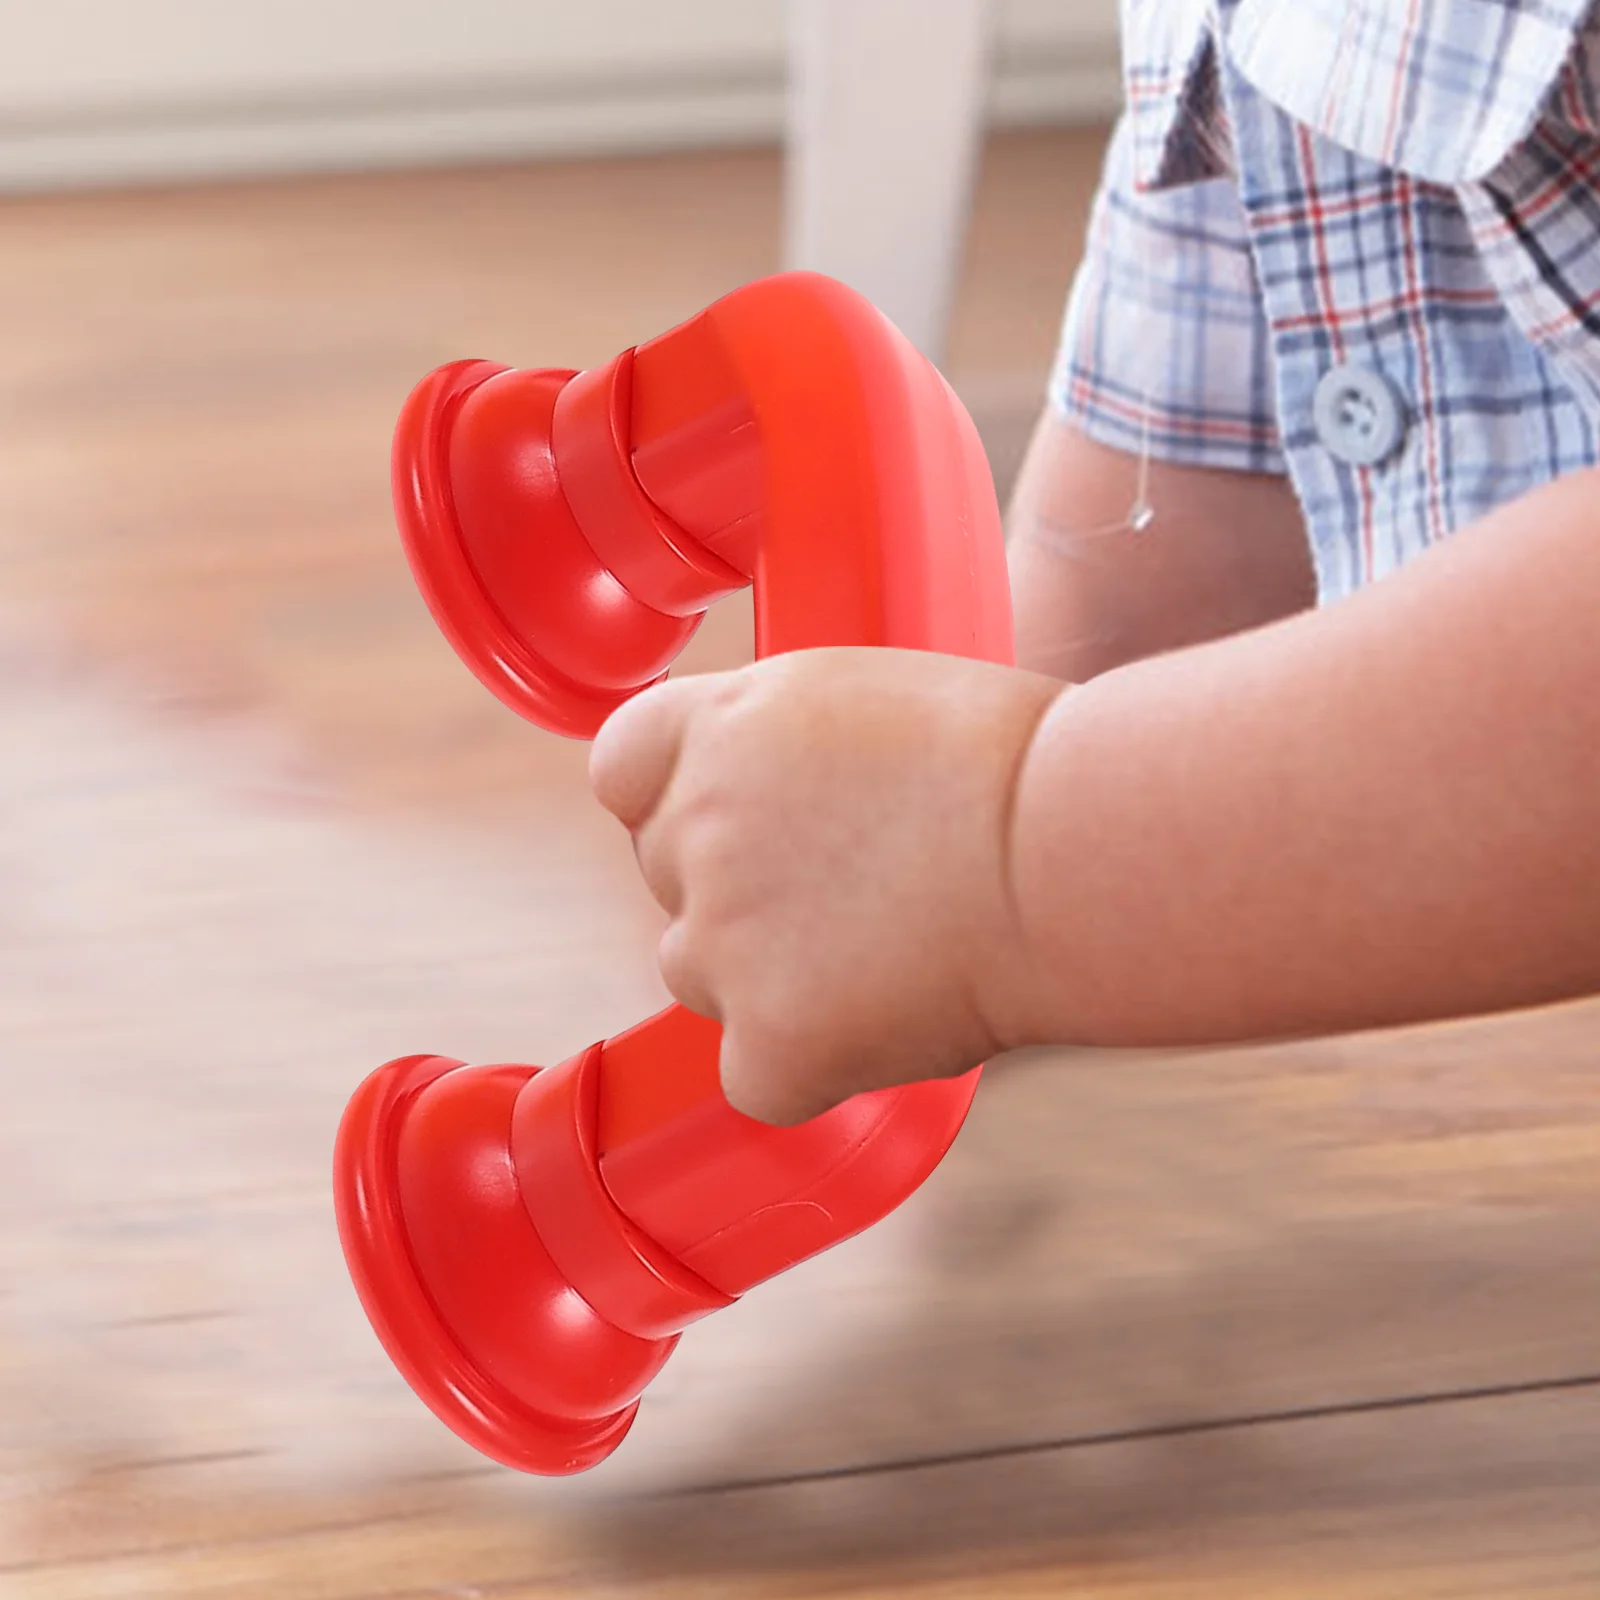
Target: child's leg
column 1225, row 551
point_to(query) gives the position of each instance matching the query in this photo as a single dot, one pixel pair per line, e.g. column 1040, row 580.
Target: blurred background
column 1282, row 1321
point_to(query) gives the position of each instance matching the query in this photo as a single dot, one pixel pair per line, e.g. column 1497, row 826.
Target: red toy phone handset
column 529, row 1243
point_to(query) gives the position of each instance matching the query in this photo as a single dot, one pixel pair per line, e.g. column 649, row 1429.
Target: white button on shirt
column 1358, row 415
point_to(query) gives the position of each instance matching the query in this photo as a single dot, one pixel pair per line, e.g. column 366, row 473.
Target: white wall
column 95, row 91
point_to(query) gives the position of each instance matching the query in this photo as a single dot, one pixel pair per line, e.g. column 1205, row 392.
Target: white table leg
column 886, row 114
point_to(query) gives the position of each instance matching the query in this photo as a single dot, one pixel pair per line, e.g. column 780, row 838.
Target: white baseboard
column 429, row 125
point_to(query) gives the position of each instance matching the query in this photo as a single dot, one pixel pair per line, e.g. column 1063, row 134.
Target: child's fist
column 828, row 831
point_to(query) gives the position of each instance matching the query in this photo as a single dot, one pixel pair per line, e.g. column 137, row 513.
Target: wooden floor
column 1311, row 1321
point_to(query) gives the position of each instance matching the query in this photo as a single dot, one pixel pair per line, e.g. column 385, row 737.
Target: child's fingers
column 683, row 972
column 767, row 1077
column 635, row 753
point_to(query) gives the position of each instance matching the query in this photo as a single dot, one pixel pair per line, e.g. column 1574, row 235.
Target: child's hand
column 828, row 831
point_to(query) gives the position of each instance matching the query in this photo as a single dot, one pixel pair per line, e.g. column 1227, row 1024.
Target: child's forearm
column 1383, row 812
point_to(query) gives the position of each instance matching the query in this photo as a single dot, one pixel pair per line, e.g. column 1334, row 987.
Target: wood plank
column 1480, row 1498
column 1487, row 1498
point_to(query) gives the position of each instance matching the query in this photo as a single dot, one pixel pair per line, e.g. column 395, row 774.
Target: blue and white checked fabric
column 1411, row 187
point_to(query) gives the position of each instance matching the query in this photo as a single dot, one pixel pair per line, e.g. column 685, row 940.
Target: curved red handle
column 569, row 531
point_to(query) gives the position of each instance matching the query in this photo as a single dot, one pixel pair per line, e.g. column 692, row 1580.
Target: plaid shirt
column 1405, row 187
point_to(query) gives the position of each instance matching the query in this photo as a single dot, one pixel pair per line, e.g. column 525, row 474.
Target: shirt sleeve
column 1165, row 345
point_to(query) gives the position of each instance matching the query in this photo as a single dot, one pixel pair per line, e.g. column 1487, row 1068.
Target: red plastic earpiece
column 529, row 1243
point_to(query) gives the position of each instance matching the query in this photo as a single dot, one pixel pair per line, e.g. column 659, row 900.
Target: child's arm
column 1386, row 811
column 885, row 866
column 1225, row 551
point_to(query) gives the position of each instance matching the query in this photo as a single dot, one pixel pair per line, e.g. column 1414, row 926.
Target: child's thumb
column 767, row 1078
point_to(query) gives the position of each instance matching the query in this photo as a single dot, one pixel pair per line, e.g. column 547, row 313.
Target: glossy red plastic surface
column 528, row 1244
column 628, row 1277
column 500, row 560
column 371, row 1198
